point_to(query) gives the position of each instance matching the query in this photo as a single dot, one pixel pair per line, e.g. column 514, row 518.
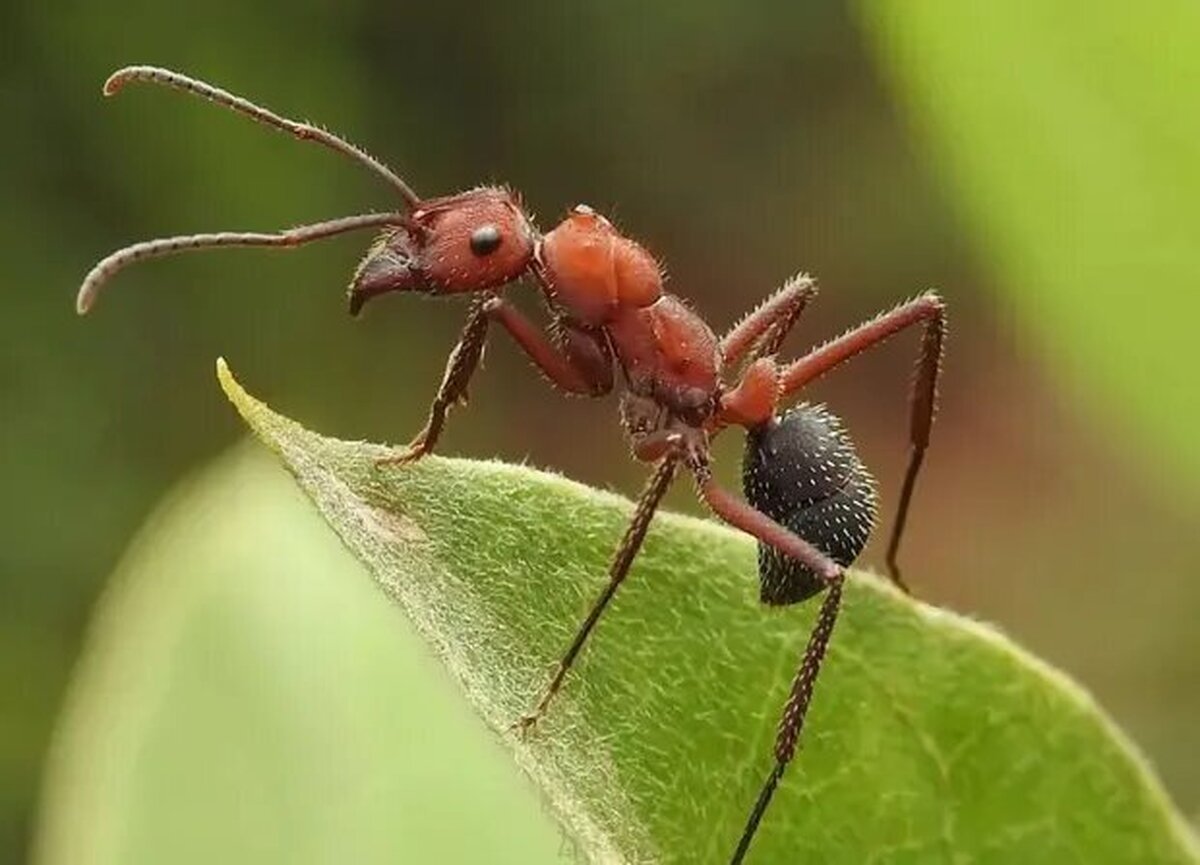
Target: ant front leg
column 460, row 366
column 763, row 330
column 930, row 309
column 627, row 550
column 580, row 363
column 757, row 524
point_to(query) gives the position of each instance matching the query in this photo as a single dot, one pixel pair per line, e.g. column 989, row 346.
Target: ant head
column 478, row 239
column 474, row 240
column 467, row 242
column 592, row 269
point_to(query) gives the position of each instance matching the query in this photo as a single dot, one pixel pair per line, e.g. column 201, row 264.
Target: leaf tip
column 233, row 390
column 270, row 428
column 252, row 410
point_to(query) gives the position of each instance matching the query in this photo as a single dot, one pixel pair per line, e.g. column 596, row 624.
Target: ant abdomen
column 801, row 470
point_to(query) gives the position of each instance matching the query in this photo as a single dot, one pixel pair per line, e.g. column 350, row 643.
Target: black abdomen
column 801, row 470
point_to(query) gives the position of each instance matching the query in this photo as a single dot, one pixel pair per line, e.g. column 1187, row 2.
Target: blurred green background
column 1039, row 167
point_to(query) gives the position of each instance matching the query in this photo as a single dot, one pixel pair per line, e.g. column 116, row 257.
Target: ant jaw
column 357, row 298
column 386, row 267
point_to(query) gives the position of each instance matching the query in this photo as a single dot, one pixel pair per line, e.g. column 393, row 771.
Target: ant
column 810, row 503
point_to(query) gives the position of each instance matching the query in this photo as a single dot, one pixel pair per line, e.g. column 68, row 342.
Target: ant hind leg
column 761, row 332
column 928, row 309
column 754, row 522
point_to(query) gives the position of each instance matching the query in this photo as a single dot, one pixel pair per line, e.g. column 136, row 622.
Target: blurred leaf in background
column 1068, row 137
column 248, row 697
column 1072, row 140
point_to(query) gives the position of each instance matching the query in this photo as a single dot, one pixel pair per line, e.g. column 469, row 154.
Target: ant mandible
column 811, row 504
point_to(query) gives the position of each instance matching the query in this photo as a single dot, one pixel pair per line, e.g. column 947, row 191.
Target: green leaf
column 1070, row 137
column 931, row 737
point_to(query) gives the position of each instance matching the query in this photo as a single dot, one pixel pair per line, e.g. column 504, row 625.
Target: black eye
column 485, row 240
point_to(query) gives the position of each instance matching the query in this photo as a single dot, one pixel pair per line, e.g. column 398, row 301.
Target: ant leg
column 582, row 365
column 762, row 330
column 745, row 517
column 928, row 308
column 794, row 711
column 631, row 542
column 460, row 366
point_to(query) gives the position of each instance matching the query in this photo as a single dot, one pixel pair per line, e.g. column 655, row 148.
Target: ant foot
column 897, row 580
column 402, row 457
column 524, row 725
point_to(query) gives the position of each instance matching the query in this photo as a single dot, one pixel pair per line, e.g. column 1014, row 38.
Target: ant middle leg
column 756, row 339
column 627, row 550
column 928, row 309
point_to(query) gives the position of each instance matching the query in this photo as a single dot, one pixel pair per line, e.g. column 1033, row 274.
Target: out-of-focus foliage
column 1073, row 141
column 246, row 699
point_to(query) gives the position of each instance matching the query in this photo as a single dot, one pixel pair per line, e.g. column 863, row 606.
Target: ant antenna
column 303, row 131
column 106, row 269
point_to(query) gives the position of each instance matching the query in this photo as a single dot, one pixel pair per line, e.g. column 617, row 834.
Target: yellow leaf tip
column 225, row 377
column 236, row 394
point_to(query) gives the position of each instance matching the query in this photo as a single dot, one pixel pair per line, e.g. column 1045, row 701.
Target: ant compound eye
column 485, row 240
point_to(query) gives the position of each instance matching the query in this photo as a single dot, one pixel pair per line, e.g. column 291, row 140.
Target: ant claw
column 421, row 445
column 525, row 724
column 401, row 457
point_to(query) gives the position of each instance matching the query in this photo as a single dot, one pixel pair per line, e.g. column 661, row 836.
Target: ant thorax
column 653, row 430
column 670, row 354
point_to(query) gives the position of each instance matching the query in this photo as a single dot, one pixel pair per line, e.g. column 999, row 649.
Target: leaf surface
column 931, row 737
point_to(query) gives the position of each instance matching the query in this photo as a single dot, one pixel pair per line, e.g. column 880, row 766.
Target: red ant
column 811, row 503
